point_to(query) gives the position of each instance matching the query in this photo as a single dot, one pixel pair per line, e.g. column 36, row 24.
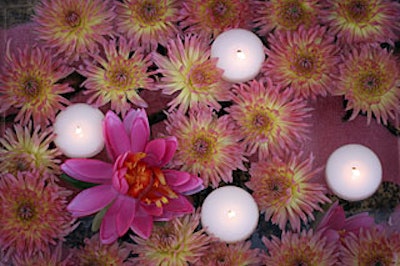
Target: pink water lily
column 135, row 188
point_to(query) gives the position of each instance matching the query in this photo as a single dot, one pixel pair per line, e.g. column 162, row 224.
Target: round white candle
column 230, row 214
column 240, row 54
column 353, row 172
column 79, row 131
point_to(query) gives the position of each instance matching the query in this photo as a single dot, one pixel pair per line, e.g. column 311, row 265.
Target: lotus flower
column 134, row 188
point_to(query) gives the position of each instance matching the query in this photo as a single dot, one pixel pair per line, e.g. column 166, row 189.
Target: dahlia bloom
column 283, row 191
column 95, row 253
column 174, row 243
column 25, row 149
column 208, row 146
column 304, row 248
column 334, row 225
column 285, row 15
column 117, row 77
column 148, row 22
column 49, row 258
column 189, row 70
column 135, row 188
column 223, row 254
column 29, row 82
column 211, row 18
column 362, row 20
column 33, row 213
column 72, row 27
column 305, row 60
column 269, row 121
column 370, row 82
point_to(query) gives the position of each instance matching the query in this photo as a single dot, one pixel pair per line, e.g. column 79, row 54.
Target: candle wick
column 231, row 214
column 78, row 130
column 240, row 54
column 355, row 172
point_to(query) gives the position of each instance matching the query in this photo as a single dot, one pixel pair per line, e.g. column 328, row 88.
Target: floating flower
column 210, row 18
column 269, row 121
column 135, row 189
column 370, row 83
column 208, row 146
column 174, row 243
column 283, row 191
column 305, row 248
column 355, row 21
column 305, row 60
column 24, row 149
column 33, row 213
column 148, row 22
column 370, row 247
column 95, row 253
column 29, row 82
column 285, row 15
column 117, row 77
column 73, row 28
column 189, row 70
column 221, row 254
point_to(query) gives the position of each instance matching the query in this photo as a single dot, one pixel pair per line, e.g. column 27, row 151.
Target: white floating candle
column 353, row 172
column 79, row 131
column 240, row 54
column 230, row 214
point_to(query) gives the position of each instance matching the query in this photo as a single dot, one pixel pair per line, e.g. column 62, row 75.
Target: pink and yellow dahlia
column 33, row 213
column 356, row 21
column 209, row 147
column 52, row 257
column 305, row 60
column 269, row 121
column 285, row 15
column 303, row 248
column 135, row 188
column 176, row 243
column 73, row 28
column 283, row 191
column 29, row 82
column 192, row 74
column 223, row 254
column 25, row 149
column 148, row 22
column 370, row 83
column 118, row 77
column 211, row 18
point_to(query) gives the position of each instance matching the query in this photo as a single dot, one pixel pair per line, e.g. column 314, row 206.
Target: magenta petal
column 91, row 200
column 142, row 224
column 152, row 209
column 126, row 214
column 176, row 178
column 116, row 138
column 134, row 114
column 192, row 186
column 361, row 220
column 139, row 134
column 88, row 170
column 180, row 205
column 108, row 227
column 160, row 151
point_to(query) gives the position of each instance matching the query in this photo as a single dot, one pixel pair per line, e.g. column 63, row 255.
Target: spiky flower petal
column 52, row 257
column 269, row 121
column 304, row 248
column 29, row 82
column 370, row 82
column 305, row 60
column 285, row 15
column 118, row 77
column 148, row 22
column 356, row 21
column 207, row 146
column 210, row 18
column 238, row 254
column 73, row 27
column 25, row 149
column 189, row 70
column 174, row 243
column 283, row 191
column 33, row 213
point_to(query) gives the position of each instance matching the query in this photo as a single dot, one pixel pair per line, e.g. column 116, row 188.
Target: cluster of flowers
column 124, row 48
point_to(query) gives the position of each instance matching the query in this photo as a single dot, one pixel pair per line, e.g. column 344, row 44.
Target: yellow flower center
column 26, row 211
column 150, row 12
column 146, row 183
column 73, row 19
column 358, row 11
column 31, row 88
column 120, row 78
column 304, row 65
column 291, row 14
column 201, row 78
column 203, row 146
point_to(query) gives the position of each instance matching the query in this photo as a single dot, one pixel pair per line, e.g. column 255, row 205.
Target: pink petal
column 139, row 134
column 126, row 213
column 175, row 177
column 192, row 186
column 334, row 218
column 88, row 170
column 361, row 220
column 134, row 114
column 142, row 224
column 180, row 205
column 91, row 200
column 116, row 138
column 160, row 151
column 108, row 227
column 152, row 209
